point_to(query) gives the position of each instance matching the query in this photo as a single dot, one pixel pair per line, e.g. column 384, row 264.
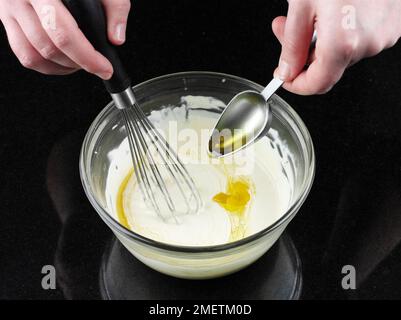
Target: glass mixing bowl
column 201, row 262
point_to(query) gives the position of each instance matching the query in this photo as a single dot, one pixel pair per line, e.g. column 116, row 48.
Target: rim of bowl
column 291, row 211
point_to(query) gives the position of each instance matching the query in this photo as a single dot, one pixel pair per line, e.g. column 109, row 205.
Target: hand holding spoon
column 246, row 119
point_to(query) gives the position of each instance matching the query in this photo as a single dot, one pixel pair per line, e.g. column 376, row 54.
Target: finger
column 26, row 53
column 298, row 33
column 117, row 15
column 323, row 73
column 69, row 39
column 32, row 27
column 278, row 26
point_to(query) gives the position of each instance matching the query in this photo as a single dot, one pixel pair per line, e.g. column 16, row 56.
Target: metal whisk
column 156, row 164
column 164, row 181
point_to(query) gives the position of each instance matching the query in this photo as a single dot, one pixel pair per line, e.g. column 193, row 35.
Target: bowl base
column 277, row 275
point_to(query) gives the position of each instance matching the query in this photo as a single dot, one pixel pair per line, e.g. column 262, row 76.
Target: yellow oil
column 120, row 200
column 235, row 200
column 227, row 144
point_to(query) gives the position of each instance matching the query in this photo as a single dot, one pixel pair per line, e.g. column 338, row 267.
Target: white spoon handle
column 271, row 88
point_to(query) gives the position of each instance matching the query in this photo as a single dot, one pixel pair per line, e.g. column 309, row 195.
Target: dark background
column 352, row 215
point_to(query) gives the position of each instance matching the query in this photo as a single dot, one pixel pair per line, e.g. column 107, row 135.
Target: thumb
column 295, row 35
column 117, row 15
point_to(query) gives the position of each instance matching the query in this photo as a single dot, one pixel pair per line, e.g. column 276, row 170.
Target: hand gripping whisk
column 163, row 179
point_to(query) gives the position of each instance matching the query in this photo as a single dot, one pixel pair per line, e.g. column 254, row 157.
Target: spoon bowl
column 237, row 127
column 246, row 119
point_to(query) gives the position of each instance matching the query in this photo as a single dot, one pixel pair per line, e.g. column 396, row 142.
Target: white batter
column 269, row 188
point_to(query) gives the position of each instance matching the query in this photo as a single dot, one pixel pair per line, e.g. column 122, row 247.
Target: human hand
column 46, row 38
column 347, row 31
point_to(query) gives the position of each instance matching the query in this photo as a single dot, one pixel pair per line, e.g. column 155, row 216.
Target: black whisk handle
column 91, row 19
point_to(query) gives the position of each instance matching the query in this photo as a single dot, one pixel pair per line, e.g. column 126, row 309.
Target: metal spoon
column 246, row 119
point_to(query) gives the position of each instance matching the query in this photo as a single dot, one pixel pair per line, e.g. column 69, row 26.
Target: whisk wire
column 139, row 164
column 150, row 163
column 156, row 143
column 175, row 161
column 142, row 136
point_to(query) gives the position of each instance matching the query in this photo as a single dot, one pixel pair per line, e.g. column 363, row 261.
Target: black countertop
column 351, row 217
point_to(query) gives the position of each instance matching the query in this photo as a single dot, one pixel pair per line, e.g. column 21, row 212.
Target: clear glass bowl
column 184, row 261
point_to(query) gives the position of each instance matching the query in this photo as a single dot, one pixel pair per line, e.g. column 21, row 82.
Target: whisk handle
column 91, row 19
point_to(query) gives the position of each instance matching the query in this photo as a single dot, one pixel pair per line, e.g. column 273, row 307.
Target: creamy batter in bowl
column 289, row 140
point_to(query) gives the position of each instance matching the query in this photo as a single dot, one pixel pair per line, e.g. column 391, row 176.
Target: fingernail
column 120, row 32
column 104, row 75
column 284, row 70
